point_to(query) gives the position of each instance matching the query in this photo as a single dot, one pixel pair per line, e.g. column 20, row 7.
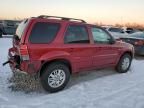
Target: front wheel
column 55, row 77
column 124, row 63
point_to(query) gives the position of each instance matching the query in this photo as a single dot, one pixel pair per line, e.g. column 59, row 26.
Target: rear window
column 44, row 32
column 21, row 28
column 10, row 23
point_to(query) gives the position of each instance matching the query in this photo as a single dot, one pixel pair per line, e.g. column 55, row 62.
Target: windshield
column 10, row 23
column 21, row 28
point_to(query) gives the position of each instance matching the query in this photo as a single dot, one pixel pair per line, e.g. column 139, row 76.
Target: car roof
column 59, row 20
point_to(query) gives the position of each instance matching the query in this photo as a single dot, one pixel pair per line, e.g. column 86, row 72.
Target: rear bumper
column 27, row 67
column 31, row 67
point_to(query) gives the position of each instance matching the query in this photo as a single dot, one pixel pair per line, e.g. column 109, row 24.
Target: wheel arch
column 47, row 63
column 126, row 52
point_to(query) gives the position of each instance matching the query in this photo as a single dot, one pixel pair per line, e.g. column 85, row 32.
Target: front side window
column 76, row 34
column 100, row 36
column 43, row 32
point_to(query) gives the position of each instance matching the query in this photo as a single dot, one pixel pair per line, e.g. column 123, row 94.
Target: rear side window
column 44, row 32
column 76, row 34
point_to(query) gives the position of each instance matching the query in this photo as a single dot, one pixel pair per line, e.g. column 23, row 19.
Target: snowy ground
column 98, row 89
column 7, row 36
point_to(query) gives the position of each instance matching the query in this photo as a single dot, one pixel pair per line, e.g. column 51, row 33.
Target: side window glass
column 76, row 34
column 100, row 36
column 44, row 32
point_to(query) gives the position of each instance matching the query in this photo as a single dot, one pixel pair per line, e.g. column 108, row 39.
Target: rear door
column 77, row 42
column 105, row 53
column 41, row 38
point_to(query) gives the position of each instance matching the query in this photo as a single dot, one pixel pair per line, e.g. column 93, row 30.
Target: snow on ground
column 97, row 89
column 7, row 36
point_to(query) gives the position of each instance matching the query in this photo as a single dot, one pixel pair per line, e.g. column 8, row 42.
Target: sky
column 93, row 11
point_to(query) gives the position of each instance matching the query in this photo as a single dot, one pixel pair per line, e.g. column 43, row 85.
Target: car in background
column 116, row 32
column 130, row 30
column 8, row 27
column 1, row 29
column 137, row 40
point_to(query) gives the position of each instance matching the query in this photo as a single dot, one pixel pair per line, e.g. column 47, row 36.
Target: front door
column 105, row 53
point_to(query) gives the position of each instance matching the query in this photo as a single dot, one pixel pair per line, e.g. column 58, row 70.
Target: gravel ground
column 26, row 83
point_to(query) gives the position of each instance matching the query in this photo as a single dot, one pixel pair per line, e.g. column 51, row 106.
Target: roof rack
column 62, row 18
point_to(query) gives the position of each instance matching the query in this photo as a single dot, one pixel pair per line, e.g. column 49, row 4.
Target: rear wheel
column 55, row 77
column 124, row 63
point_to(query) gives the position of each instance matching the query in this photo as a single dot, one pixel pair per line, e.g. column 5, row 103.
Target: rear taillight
column 24, row 52
column 140, row 42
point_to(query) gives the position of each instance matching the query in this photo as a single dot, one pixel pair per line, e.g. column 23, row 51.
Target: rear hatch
column 18, row 50
column 18, row 37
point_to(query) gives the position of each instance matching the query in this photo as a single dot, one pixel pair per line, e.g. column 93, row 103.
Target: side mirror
column 112, row 41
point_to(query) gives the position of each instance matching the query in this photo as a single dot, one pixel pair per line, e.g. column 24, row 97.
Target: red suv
column 56, row 47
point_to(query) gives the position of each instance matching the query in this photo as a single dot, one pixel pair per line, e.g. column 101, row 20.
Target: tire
column 50, row 74
column 124, row 63
column 0, row 33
